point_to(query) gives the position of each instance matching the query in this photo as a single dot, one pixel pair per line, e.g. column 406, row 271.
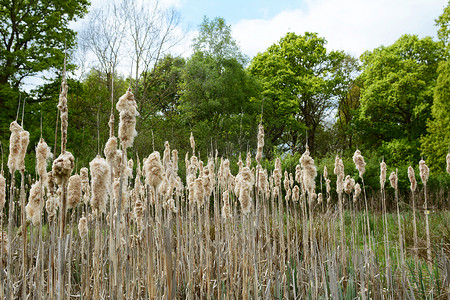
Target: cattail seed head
column 100, row 182
column 277, row 173
column 64, row 112
column 325, row 172
column 226, row 209
column 412, row 179
column 199, row 192
column 357, row 192
column 260, row 144
column 319, row 198
column 339, row 171
column 2, row 192
column 360, row 164
column 43, row 153
column 448, row 163
column 83, row 228
column 74, row 191
column 154, row 170
column 328, row 185
column 127, row 124
column 24, row 140
column 33, row 209
column 166, row 155
column 248, row 160
column 50, row 206
column 424, row 171
column 349, row 184
column 245, row 199
column 295, row 193
column 192, row 141
column 62, row 167
column 394, row 180
column 14, row 146
column 175, row 160
column 309, row 171
column 383, row 169
column 85, row 188
column 286, row 181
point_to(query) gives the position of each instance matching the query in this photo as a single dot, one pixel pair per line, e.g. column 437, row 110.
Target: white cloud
column 350, row 25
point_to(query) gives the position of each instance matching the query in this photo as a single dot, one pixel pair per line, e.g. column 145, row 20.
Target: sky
column 350, row 25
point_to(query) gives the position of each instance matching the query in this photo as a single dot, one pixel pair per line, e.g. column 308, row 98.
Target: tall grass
column 218, row 235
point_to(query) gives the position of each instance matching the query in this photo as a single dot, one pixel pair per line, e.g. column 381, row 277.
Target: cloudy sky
column 350, row 25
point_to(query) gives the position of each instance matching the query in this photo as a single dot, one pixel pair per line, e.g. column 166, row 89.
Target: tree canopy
column 397, row 93
column 301, row 83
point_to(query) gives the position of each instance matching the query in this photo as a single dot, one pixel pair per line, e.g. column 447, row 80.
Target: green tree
column 215, row 40
column 33, row 35
column 301, row 85
column 396, row 96
column 443, row 23
column 436, row 144
column 218, row 97
column 159, row 119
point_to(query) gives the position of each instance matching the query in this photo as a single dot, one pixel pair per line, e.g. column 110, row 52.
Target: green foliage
column 219, row 99
column 33, row 37
column 158, row 101
column 301, row 82
column 396, row 96
column 215, row 41
column 443, row 22
column 435, row 145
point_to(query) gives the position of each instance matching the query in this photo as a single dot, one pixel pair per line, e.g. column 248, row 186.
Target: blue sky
column 234, row 10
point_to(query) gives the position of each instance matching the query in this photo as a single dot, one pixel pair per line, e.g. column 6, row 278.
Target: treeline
column 393, row 102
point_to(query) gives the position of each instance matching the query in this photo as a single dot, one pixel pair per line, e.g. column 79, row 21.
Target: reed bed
column 136, row 230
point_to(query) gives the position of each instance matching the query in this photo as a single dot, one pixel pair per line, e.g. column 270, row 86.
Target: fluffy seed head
column 24, row 140
column 175, row 160
column 199, row 192
column 448, row 163
column 226, row 209
column 14, row 146
column 33, row 209
column 339, row 171
column 277, row 173
column 309, row 171
column 154, row 170
column 319, row 198
column 84, row 174
column 412, row 179
column 43, row 153
column 248, row 160
column 245, row 200
column 349, row 184
column 394, row 180
column 295, row 193
column 260, row 144
column 62, row 167
column 192, row 140
column 83, row 228
column 100, row 182
column 424, row 171
column 2, row 192
column 74, row 191
column 360, row 164
column 383, row 169
column 357, row 192
column 127, row 123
